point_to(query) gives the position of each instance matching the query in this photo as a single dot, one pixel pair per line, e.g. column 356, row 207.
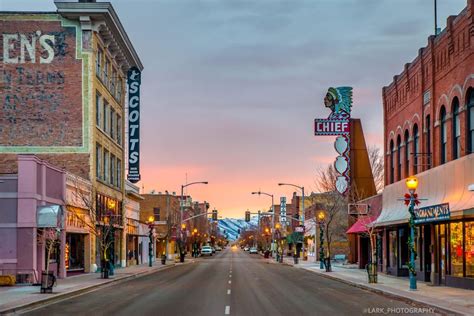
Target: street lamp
column 412, row 184
column 151, row 220
column 273, row 212
column 321, row 217
column 181, row 209
column 302, row 201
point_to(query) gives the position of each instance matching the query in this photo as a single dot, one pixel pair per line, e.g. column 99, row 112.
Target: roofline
column 97, row 9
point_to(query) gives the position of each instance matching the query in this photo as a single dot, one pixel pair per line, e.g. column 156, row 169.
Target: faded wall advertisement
column 40, row 85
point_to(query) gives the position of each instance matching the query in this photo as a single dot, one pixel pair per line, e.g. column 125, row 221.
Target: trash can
column 47, row 281
column 266, row 254
column 295, row 259
column 163, row 259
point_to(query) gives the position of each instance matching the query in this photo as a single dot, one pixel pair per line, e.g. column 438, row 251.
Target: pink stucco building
column 36, row 184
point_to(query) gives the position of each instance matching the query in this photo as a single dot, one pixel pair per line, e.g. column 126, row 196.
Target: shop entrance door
column 442, row 254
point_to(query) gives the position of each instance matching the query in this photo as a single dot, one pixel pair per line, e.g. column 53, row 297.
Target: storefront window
column 74, row 252
column 456, row 249
column 393, row 255
column 469, row 250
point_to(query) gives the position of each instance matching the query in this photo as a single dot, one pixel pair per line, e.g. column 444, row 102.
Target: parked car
column 246, row 248
column 253, row 250
column 218, row 248
column 213, row 250
column 206, row 251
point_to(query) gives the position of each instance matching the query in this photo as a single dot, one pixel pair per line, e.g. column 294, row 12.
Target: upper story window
column 106, row 72
column 470, row 121
column 113, row 122
column 399, row 158
column 456, row 129
column 407, row 154
column 428, row 141
column 98, row 161
column 443, row 136
column 416, row 148
column 392, row 164
column 119, row 173
column 112, row 170
column 119, row 89
column 106, row 176
column 98, row 62
column 156, row 213
column 113, row 81
column 98, row 109
column 119, row 130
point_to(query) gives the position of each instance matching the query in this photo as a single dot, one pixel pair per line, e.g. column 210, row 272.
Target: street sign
column 299, row 229
column 283, row 210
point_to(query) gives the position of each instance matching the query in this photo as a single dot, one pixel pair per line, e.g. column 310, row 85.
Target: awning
column 361, row 225
column 447, row 183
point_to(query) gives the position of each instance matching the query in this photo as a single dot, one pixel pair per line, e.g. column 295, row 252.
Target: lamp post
column 151, row 220
column 412, row 184
column 302, row 208
column 181, row 210
column 321, row 217
column 273, row 211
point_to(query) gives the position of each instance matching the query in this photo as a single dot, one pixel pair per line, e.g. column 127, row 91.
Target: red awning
column 361, row 225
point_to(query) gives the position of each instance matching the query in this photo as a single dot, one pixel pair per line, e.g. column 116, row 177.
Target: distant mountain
column 231, row 226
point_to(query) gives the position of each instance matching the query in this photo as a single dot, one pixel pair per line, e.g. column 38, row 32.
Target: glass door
column 443, row 255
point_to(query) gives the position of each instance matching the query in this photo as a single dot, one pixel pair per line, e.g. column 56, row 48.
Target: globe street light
column 321, row 217
column 412, row 184
column 273, row 211
column 151, row 220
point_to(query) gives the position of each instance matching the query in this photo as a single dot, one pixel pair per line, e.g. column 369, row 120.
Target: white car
column 206, row 251
column 246, row 248
column 253, row 250
column 218, row 248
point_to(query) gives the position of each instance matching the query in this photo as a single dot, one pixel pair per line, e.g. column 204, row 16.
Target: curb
column 66, row 295
column 386, row 293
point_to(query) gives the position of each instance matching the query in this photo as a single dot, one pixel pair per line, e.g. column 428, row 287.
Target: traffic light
column 214, row 215
column 247, row 216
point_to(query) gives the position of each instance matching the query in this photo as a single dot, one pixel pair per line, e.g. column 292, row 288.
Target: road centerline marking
column 230, row 282
column 228, row 292
column 227, row 310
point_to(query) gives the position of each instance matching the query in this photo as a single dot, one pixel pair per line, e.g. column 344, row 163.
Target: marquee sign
column 134, row 81
column 433, row 213
column 339, row 100
column 283, row 210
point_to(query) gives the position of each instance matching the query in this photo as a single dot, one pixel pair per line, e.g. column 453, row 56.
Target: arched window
column 392, row 165
column 456, row 129
column 407, row 154
column 443, row 136
column 416, row 148
column 399, row 158
column 470, row 121
column 428, row 141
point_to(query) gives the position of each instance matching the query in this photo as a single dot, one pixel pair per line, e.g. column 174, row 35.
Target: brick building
column 429, row 132
column 62, row 95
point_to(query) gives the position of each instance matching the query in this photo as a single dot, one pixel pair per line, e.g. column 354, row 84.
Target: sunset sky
column 230, row 89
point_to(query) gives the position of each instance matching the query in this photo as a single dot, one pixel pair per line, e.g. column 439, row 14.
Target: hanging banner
column 283, row 210
column 134, row 81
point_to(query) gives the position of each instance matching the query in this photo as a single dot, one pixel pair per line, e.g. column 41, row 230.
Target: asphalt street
column 230, row 283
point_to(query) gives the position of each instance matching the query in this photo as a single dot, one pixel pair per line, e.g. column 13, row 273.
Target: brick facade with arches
column 429, row 132
column 442, row 75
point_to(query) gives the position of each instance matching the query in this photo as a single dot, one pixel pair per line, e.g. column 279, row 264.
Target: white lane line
column 228, row 292
column 227, row 310
column 230, row 282
column 230, row 275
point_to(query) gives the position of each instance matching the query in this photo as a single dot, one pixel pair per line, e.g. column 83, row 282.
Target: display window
column 469, row 249
column 74, row 252
column 456, row 249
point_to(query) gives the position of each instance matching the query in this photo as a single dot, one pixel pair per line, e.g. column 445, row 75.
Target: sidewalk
column 447, row 299
column 20, row 297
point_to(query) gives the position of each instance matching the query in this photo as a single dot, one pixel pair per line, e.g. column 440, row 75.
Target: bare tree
column 377, row 166
column 49, row 237
column 326, row 178
column 101, row 220
column 335, row 220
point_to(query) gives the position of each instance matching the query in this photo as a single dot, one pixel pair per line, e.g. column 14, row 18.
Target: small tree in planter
column 49, row 237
